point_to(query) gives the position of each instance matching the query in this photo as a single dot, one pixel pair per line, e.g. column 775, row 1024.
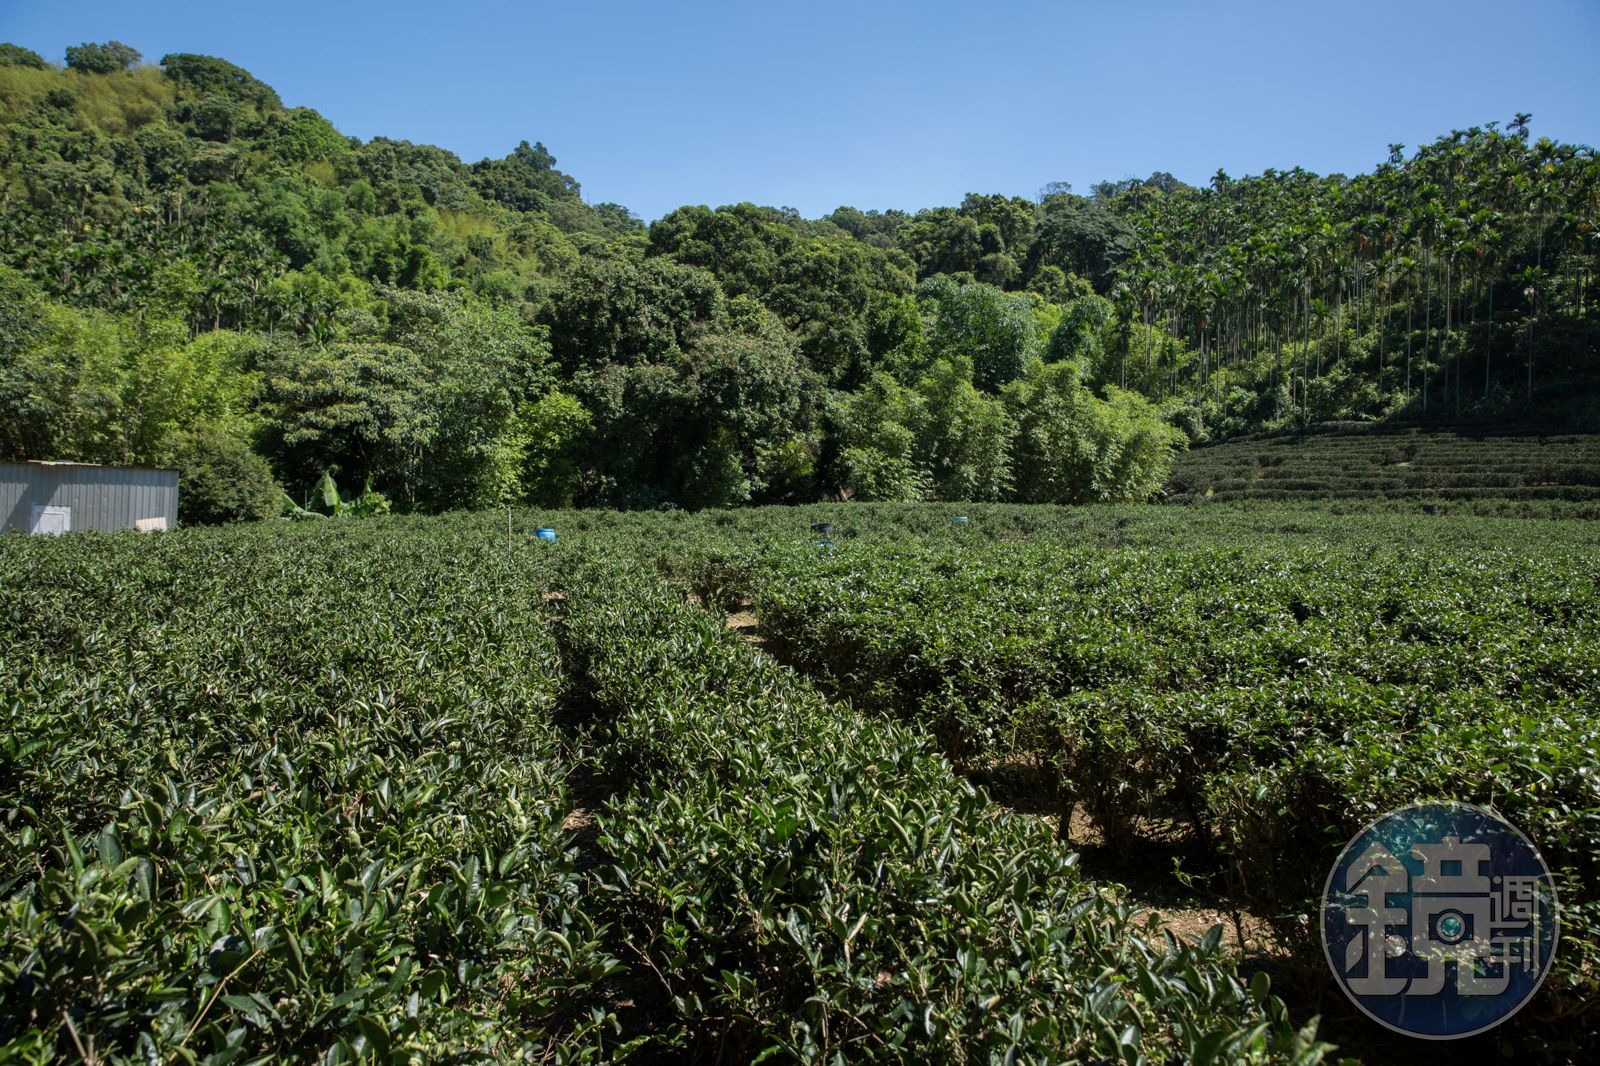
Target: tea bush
column 804, row 881
column 1478, row 470
column 417, row 789
column 285, row 793
column 1274, row 694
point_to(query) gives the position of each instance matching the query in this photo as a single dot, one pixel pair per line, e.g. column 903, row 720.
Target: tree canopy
column 192, row 272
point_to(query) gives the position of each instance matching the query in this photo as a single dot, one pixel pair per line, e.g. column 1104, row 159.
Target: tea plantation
column 412, row 789
column 1478, row 470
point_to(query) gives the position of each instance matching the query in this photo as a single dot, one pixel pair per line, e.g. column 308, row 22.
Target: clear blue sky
column 880, row 105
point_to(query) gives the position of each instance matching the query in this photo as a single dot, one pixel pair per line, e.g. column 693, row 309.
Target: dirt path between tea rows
column 1147, row 881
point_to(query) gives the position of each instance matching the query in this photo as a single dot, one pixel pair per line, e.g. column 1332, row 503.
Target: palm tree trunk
column 1411, row 303
column 1146, row 345
column 1488, row 340
column 1305, row 360
column 1446, row 346
column 1538, row 265
column 1427, row 325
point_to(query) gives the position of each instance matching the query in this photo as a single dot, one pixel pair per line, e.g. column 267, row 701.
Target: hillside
column 194, row 273
column 1479, row 470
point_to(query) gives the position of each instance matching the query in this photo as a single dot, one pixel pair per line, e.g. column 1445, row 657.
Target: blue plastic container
column 545, row 533
column 960, row 519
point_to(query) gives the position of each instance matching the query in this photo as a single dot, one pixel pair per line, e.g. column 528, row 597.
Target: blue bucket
column 545, row 533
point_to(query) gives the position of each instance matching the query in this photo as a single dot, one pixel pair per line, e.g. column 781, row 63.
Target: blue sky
column 881, row 105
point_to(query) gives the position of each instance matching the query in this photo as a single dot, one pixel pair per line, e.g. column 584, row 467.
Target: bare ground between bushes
column 1148, row 878
column 1186, row 910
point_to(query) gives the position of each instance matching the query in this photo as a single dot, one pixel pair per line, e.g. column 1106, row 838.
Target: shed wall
column 105, row 498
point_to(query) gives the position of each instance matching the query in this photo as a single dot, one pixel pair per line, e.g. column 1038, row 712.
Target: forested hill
column 192, row 273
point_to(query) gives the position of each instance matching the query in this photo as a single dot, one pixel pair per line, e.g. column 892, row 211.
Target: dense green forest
column 193, row 274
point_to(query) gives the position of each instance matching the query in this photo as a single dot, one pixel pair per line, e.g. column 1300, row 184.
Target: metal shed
column 51, row 497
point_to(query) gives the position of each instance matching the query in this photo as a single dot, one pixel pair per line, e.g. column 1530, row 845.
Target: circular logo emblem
column 1439, row 920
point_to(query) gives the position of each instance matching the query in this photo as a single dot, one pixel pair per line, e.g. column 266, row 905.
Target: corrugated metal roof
column 74, row 462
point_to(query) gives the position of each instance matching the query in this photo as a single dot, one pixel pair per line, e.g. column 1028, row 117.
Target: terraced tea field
column 1474, row 471
column 403, row 790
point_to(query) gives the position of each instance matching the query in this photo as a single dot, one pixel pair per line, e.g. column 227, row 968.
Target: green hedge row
column 286, row 794
column 808, row 882
column 1318, row 463
column 1274, row 697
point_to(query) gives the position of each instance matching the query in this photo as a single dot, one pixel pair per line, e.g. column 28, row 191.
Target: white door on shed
column 50, row 520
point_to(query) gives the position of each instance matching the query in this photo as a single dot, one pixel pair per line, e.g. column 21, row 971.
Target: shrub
column 221, row 480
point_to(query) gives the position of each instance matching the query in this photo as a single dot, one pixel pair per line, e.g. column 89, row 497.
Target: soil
column 1188, row 911
column 1146, row 881
column 746, row 624
column 1163, row 872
